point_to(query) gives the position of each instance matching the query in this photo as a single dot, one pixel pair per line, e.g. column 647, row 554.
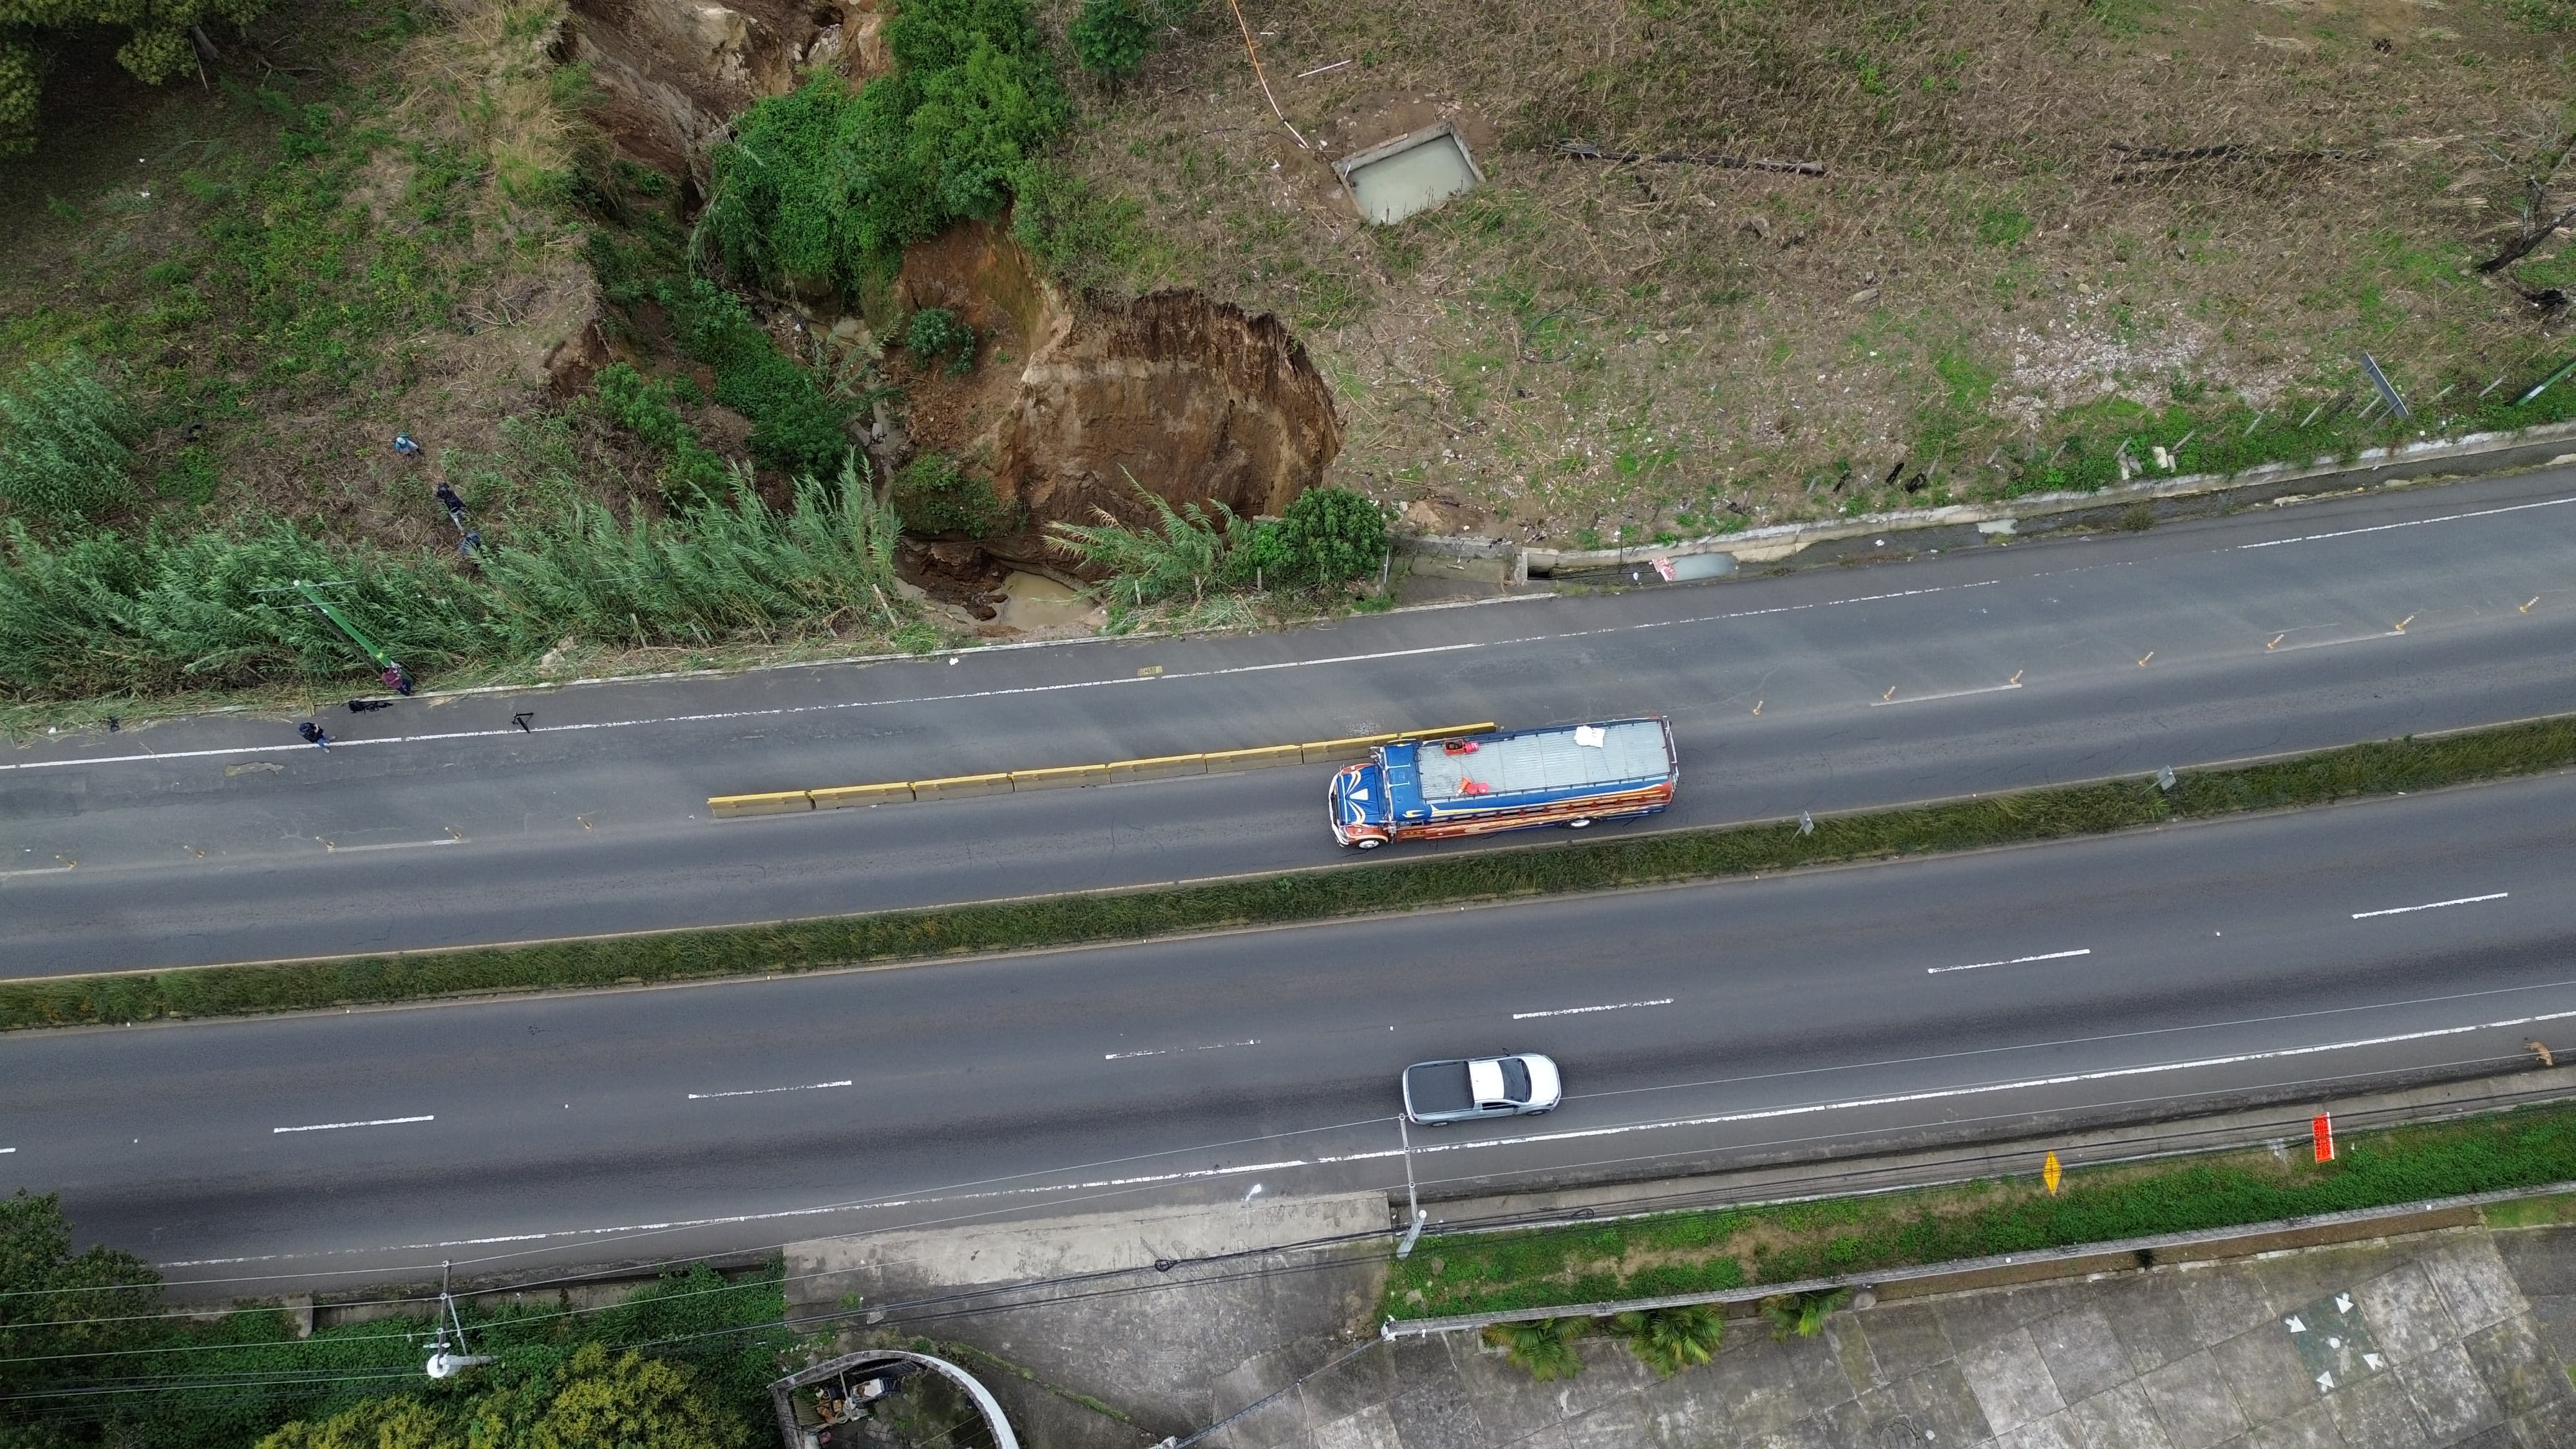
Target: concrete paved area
column 2447, row 1339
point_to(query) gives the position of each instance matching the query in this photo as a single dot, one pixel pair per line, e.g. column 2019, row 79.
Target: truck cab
column 1361, row 808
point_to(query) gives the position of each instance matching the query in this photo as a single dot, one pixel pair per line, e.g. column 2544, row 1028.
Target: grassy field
column 1718, row 1250
column 1985, row 293
column 1054, row 921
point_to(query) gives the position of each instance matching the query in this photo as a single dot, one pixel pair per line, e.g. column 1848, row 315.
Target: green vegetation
column 647, row 408
column 1803, row 1315
column 827, row 184
column 593, row 1402
column 934, row 333
column 795, row 424
column 1329, row 537
column 1190, row 555
column 1722, row 1250
column 2359, row 770
column 1669, row 1340
column 63, row 442
column 1542, row 1348
column 1111, row 38
column 105, row 613
column 932, row 495
column 90, row 1360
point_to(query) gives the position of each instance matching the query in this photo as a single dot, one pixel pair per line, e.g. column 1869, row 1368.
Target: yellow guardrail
column 1058, row 777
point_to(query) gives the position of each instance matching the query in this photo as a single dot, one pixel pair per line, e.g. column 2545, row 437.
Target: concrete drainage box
column 1394, row 179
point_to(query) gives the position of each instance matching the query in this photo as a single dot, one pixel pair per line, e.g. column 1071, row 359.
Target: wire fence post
column 1413, row 1214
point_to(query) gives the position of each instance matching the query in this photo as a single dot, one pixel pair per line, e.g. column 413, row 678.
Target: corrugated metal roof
column 1550, row 759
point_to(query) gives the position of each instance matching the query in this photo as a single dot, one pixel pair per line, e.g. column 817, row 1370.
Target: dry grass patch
column 1591, row 352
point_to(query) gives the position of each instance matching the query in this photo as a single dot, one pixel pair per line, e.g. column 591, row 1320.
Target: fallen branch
column 1586, row 151
column 2529, row 242
column 2233, row 152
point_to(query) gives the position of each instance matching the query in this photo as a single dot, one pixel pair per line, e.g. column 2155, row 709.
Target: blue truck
column 1570, row 775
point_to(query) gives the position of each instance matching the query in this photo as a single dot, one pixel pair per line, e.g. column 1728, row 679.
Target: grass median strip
column 2385, row 767
column 1718, row 1250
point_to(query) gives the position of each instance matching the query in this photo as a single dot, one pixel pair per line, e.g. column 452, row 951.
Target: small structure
column 1394, row 179
column 824, row 1406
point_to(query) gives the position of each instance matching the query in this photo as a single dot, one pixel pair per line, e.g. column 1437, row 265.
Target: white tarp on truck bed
column 1546, row 760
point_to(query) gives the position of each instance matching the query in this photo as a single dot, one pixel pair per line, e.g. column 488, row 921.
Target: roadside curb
column 2001, row 1157
column 2085, row 1260
column 1969, row 525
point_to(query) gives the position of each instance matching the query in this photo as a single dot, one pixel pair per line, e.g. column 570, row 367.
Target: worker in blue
column 405, row 446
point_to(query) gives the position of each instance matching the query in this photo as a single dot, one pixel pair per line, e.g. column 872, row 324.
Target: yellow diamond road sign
column 2050, row 1172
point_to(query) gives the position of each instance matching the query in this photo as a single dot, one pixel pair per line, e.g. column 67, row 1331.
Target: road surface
column 438, row 822
column 1697, row 1026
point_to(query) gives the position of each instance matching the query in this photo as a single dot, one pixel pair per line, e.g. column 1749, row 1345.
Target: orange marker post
column 2322, row 1129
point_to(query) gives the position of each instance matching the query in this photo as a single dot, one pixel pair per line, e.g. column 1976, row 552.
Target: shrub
column 1802, row 1315
column 1188, row 556
column 1543, row 1349
column 795, row 424
column 1669, row 1340
column 1110, row 38
column 646, row 407
column 63, row 452
column 932, row 495
column 935, row 332
column 1329, row 536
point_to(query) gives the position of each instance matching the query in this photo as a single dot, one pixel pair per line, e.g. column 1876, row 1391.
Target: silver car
column 1520, row 1085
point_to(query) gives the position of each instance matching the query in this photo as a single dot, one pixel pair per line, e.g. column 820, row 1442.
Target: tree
column 54, row 1301
column 395, row 1422
column 631, row 1402
column 1111, row 39
column 157, row 46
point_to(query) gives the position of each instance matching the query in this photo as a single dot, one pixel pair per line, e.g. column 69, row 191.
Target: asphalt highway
column 441, row 822
column 2280, row 955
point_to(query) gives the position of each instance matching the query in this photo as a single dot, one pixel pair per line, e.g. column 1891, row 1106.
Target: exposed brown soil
column 1077, row 405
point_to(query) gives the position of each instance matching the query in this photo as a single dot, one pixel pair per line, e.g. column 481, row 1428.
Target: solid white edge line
column 1953, row 694
column 375, row 1122
column 1585, row 1010
column 765, row 1091
column 2430, row 906
column 2015, row 961
column 2410, row 523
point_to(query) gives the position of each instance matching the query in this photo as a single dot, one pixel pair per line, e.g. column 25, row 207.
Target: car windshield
column 1516, row 1079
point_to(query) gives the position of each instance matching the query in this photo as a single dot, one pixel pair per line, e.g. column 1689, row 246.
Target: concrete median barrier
column 780, row 802
column 1061, row 777
column 962, row 787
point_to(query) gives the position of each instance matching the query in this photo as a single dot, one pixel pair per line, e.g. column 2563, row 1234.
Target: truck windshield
column 1516, row 1079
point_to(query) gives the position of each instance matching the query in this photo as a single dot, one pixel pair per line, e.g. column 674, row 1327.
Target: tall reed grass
column 109, row 613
